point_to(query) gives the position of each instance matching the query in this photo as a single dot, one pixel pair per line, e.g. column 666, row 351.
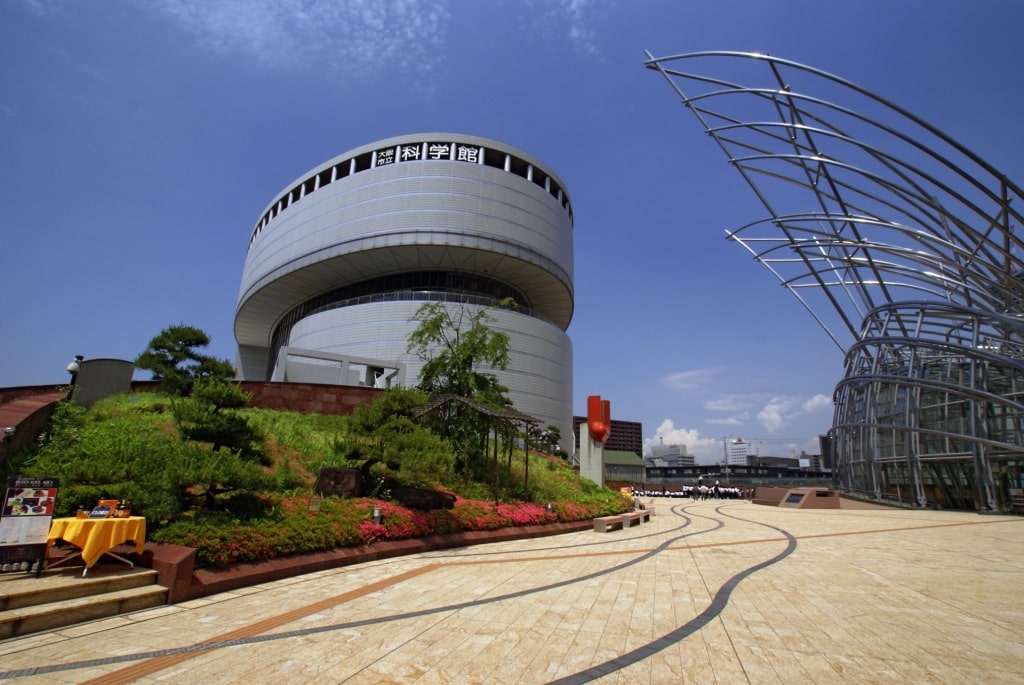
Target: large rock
column 423, row 499
column 340, row 482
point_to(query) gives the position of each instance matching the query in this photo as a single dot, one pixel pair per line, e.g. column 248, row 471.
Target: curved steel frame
column 900, row 243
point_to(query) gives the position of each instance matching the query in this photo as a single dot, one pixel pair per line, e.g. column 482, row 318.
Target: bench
column 634, row 518
column 603, row 524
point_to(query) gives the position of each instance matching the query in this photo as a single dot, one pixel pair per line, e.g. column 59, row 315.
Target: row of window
column 445, row 286
column 416, row 152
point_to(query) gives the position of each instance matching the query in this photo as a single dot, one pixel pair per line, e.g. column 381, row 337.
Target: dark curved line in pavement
column 209, row 646
column 581, row 545
column 718, row 604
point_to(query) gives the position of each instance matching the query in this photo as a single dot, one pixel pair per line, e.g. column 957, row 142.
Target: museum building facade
column 339, row 262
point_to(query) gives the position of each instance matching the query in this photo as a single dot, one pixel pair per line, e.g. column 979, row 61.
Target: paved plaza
column 706, row 592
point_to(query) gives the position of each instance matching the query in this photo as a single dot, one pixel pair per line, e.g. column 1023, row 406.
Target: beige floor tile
column 867, row 596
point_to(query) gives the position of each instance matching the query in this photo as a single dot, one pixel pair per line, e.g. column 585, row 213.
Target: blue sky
column 140, row 142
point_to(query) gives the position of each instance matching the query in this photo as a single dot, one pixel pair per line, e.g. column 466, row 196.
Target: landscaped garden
column 240, row 484
column 258, row 503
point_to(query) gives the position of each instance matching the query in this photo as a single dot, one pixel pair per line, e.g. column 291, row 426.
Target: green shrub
column 231, row 509
column 287, row 526
column 134, row 458
column 319, row 440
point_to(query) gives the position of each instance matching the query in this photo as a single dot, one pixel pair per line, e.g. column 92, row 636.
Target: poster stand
column 25, row 516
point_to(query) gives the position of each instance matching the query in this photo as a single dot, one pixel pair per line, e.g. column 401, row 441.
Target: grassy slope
column 124, row 439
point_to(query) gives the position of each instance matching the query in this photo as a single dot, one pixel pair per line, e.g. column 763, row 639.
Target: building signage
column 412, row 152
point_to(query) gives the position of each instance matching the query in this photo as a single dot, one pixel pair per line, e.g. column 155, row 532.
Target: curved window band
column 425, row 286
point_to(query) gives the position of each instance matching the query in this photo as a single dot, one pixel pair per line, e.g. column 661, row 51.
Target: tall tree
column 456, row 343
column 173, row 359
column 210, row 414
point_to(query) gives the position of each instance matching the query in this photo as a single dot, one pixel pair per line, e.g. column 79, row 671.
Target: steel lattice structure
column 900, row 243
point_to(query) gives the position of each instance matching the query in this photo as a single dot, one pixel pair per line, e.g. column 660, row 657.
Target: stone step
column 19, row 590
column 54, row 600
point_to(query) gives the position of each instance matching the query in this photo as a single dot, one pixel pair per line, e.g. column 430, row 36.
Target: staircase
column 62, row 597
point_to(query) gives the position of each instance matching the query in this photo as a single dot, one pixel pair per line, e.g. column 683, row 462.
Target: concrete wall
column 99, row 378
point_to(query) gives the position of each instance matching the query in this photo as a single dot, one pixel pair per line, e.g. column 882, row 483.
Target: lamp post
column 73, row 368
column 526, row 458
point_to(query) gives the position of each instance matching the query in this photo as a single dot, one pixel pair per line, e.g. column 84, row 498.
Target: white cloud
column 40, row 7
column 689, row 380
column 730, row 421
column 732, row 402
column 737, row 405
column 772, row 415
column 574, row 16
column 358, row 37
column 707, row 450
column 779, row 411
column 816, row 403
column 579, row 34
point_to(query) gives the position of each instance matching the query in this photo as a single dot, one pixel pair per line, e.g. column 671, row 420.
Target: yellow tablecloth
column 96, row 537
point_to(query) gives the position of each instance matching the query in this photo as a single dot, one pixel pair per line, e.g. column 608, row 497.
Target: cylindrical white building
column 342, row 258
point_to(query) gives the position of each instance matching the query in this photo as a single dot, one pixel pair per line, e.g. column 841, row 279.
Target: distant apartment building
column 626, row 436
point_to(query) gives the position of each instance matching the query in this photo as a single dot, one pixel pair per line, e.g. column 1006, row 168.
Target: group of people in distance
column 697, row 492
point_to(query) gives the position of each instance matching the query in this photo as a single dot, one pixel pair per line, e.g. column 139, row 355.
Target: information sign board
column 25, row 515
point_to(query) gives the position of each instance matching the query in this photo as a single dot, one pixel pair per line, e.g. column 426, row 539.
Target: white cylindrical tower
column 342, row 258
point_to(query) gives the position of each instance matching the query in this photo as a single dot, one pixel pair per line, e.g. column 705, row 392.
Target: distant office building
column 669, row 455
column 340, row 260
column 625, row 435
column 738, row 451
column 812, row 462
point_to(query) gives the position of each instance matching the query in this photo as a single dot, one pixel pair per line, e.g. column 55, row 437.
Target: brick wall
column 310, row 398
column 306, row 398
column 301, row 397
column 12, row 394
column 27, row 416
column 28, row 408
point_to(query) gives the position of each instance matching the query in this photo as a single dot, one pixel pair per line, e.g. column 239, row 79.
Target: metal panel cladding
column 453, row 217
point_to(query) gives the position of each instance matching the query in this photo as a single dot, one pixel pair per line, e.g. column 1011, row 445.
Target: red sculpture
column 599, row 418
